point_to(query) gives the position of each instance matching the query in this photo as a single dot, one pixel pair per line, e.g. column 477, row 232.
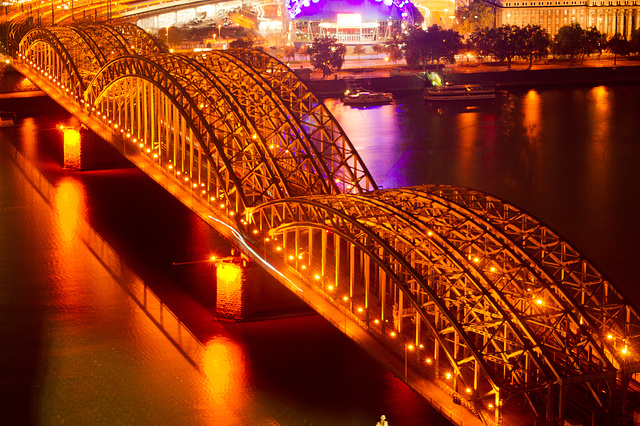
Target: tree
column 635, row 41
column 289, row 52
column 241, row 43
column 535, row 43
column 507, row 42
column 327, row 54
column 378, row 48
column 442, row 43
column 431, row 45
column 359, row 49
column 394, row 53
column 474, row 17
column 415, row 48
column 304, row 50
column 481, row 42
column 245, row 38
column 592, row 41
column 619, row 46
column 569, row 40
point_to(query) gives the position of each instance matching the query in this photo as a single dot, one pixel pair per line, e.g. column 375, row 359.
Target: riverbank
column 577, row 75
column 589, row 73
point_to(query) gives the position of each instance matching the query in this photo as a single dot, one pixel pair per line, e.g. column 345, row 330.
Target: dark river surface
column 75, row 349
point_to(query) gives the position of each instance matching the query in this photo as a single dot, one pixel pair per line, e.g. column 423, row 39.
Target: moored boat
column 455, row 92
column 7, row 119
column 366, row 97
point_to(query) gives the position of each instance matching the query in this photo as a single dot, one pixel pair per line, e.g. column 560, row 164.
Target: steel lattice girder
column 204, row 96
column 40, row 36
column 490, row 277
column 269, row 140
column 454, row 339
column 347, row 168
column 183, row 96
column 138, row 41
column 477, row 263
column 284, row 141
column 235, row 132
column 568, row 275
column 106, row 40
column 313, row 155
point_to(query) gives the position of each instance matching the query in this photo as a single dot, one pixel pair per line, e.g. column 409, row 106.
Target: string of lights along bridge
column 476, row 297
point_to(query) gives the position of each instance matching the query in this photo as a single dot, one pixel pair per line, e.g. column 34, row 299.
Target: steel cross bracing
column 445, row 264
column 243, row 151
column 494, row 306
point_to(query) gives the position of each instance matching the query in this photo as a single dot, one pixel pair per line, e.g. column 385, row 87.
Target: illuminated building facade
column 349, row 21
column 608, row 16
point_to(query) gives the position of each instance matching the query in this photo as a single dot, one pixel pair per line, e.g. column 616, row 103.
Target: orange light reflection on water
column 468, row 149
column 599, row 172
column 71, row 261
column 70, row 204
column 29, row 137
column 225, row 371
column 532, row 116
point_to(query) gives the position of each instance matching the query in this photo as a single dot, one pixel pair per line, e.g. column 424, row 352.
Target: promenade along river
column 76, row 349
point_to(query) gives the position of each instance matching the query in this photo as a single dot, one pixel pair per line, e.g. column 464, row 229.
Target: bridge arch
column 494, row 297
column 48, row 55
column 172, row 119
column 484, row 323
column 590, row 299
column 137, row 40
column 262, row 151
column 347, row 168
column 286, row 143
column 397, row 278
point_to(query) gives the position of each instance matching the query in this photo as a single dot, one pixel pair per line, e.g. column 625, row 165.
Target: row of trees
column 510, row 42
column 506, row 43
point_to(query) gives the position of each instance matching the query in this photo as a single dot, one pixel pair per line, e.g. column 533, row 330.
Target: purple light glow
column 370, row 9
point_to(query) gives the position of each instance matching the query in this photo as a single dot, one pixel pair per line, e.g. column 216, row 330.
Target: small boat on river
column 459, row 92
column 366, row 97
column 7, row 119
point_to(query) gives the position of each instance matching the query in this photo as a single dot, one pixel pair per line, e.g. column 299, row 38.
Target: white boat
column 457, row 92
column 365, row 97
column 7, row 119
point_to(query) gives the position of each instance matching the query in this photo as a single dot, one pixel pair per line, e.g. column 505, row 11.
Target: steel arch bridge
column 477, row 295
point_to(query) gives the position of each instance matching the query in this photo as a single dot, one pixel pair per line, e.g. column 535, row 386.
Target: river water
column 74, row 348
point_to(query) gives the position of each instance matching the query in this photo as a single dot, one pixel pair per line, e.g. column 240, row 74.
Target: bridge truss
column 478, row 296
